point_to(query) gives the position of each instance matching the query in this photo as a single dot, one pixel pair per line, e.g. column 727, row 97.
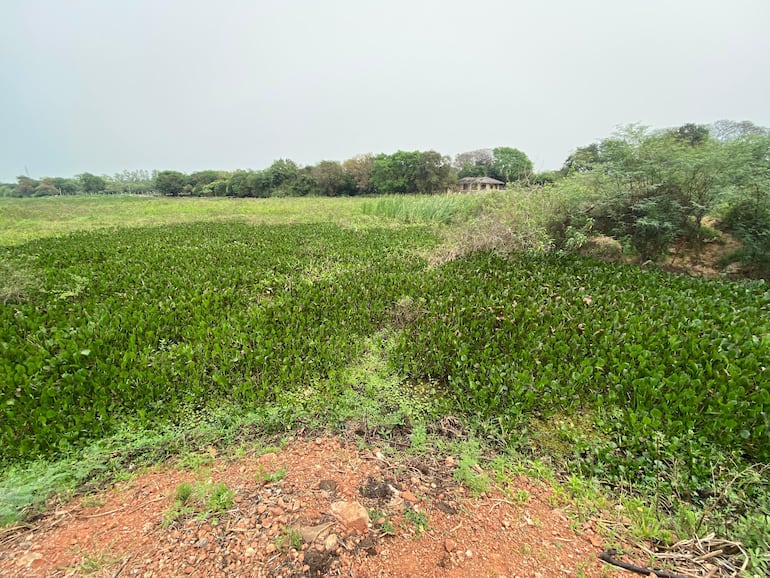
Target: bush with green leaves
column 659, row 186
column 749, row 222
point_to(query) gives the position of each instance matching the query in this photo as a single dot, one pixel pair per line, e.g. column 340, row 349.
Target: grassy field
column 133, row 328
column 26, row 219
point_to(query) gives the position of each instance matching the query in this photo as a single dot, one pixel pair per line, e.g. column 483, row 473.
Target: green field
column 138, row 317
column 23, row 220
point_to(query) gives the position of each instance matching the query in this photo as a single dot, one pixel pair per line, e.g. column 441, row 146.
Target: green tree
column 692, row 134
column 46, row 188
column 431, row 173
column 662, row 186
column 200, row 179
column 215, row 189
column 476, row 163
column 359, row 170
column 91, row 184
column 171, row 183
column 332, row 180
column 250, row 184
column 25, row 186
column 64, row 186
column 747, row 214
column 8, row 190
column 283, row 175
column 393, row 174
column 582, row 160
column 727, row 130
column 510, row 164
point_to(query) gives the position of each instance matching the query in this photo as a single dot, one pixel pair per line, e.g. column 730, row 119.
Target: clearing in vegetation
column 125, row 346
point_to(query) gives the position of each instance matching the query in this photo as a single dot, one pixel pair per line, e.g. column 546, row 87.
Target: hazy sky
column 107, row 85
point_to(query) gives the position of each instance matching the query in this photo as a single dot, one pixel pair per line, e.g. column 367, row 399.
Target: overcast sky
column 107, row 85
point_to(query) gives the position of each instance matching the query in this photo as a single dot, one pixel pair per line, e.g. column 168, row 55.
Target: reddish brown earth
column 425, row 524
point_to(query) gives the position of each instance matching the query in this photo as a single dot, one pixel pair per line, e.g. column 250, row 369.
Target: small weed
column 419, row 519
column 418, row 439
column 93, row 563
column 521, row 496
column 183, row 492
column 204, row 498
column 387, row 528
column 196, row 460
column 220, row 498
column 264, row 477
column 468, row 471
column 177, row 512
column 92, row 502
column 289, row 539
column 379, row 518
column 646, row 523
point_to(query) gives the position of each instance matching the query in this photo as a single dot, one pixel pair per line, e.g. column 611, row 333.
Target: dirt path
column 286, row 516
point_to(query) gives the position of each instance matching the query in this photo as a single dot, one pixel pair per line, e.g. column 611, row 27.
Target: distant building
column 479, row 184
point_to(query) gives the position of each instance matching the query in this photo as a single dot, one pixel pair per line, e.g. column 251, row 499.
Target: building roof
column 480, row 180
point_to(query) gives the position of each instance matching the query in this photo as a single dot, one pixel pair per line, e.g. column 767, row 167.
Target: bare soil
column 706, row 262
column 422, row 523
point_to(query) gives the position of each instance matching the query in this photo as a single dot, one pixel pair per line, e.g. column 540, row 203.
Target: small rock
column 409, row 496
column 28, row 559
column 331, row 542
column 352, row 515
column 446, row 508
column 450, row 545
column 468, row 554
column 311, row 533
column 249, row 552
column 328, row 486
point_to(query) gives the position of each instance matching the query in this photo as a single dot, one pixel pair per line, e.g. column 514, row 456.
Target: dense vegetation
column 638, row 378
column 140, row 325
column 662, row 364
column 655, row 379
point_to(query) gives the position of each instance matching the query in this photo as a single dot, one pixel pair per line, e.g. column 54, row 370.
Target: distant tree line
column 126, row 182
column 403, row 172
